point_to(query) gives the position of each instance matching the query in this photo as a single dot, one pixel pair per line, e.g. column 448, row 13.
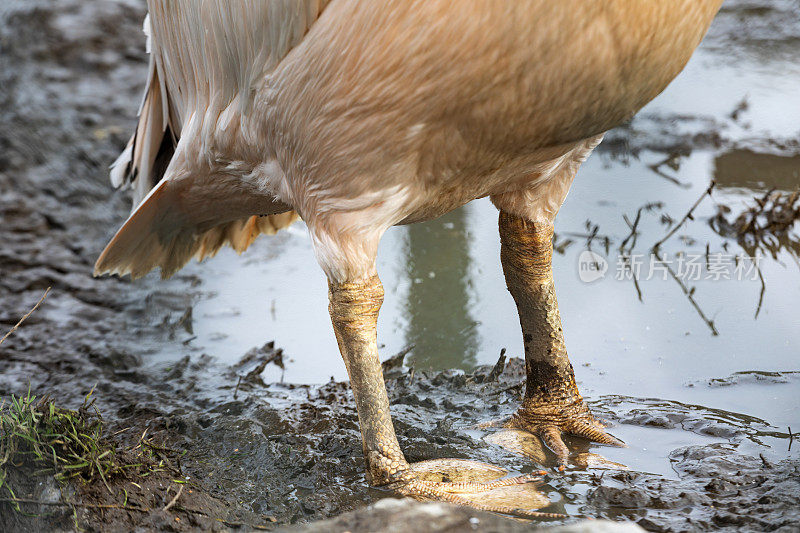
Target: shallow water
column 446, row 296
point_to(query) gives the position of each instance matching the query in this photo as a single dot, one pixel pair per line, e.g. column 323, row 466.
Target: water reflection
column 766, row 222
column 759, row 171
column 439, row 323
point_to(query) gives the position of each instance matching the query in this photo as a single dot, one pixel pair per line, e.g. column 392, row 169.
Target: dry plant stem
column 25, row 317
column 174, row 500
column 687, row 216
column 552, row 402
column 689, row 293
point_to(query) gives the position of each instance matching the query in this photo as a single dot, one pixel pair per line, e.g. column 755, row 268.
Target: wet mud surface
column 70, row 73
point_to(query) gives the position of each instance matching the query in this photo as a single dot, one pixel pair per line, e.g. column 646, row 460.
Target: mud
column 398, row 516
column 70, row 74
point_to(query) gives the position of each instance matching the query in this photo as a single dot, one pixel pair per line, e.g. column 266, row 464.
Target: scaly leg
column 354, row 310
column 552, row 403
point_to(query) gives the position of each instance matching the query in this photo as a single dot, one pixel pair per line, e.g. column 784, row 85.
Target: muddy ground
column 265, row 454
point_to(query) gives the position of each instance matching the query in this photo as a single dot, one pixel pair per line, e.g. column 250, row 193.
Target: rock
column 392, row 515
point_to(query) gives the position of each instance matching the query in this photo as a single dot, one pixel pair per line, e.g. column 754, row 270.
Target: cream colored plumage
column 199, row 80
column 360, row 115
column 417, row 106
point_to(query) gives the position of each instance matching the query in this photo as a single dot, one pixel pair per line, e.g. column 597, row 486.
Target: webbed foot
column 549, row 421
column 474, row 484
column 527, row 444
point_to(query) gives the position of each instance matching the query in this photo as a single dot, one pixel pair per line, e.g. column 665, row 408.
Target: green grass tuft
column 67, row 444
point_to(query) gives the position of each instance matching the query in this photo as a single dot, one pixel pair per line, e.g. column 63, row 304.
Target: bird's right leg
column 354, row 306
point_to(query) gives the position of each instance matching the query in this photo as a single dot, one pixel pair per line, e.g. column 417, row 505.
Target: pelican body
column 359, row 115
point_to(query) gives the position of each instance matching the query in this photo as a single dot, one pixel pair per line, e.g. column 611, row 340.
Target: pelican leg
column 354, row 310
column 552, row 403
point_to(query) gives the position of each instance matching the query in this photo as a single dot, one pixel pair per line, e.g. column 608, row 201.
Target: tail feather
column 240, row 234
column 159, row 233
column 148, row 152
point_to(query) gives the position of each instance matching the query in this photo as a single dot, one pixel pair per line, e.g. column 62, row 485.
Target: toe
column 520, row 442
column 592, row 432
column 551, row 436
column 600, row 423
column 465, row 476
column 456, row 471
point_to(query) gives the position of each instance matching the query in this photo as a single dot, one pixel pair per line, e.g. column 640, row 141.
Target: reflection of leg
column 552, row 402
column 439, row 246
column 354, row 306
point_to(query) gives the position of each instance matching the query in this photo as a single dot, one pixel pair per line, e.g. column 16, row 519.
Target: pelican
column 357, row 116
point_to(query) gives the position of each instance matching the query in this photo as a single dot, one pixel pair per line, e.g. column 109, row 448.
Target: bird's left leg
column 356, row 295
column 552, row 403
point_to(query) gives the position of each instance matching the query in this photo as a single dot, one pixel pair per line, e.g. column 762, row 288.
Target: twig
column 236, row 390
column 637, row 287
column 276, row 356
column 498, row 367
column 763, row 288
column 634, row 273
column 24, row 318
column 174, row 500
column 687, row 216
column 632, row 234
column 397, row 360
column 764, row 461
column 688, row 293
column 656, row 168
column 190, row 339
column 593, row 229
column 588, row 236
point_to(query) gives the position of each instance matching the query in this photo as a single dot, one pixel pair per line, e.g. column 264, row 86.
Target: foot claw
column 551, row 436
